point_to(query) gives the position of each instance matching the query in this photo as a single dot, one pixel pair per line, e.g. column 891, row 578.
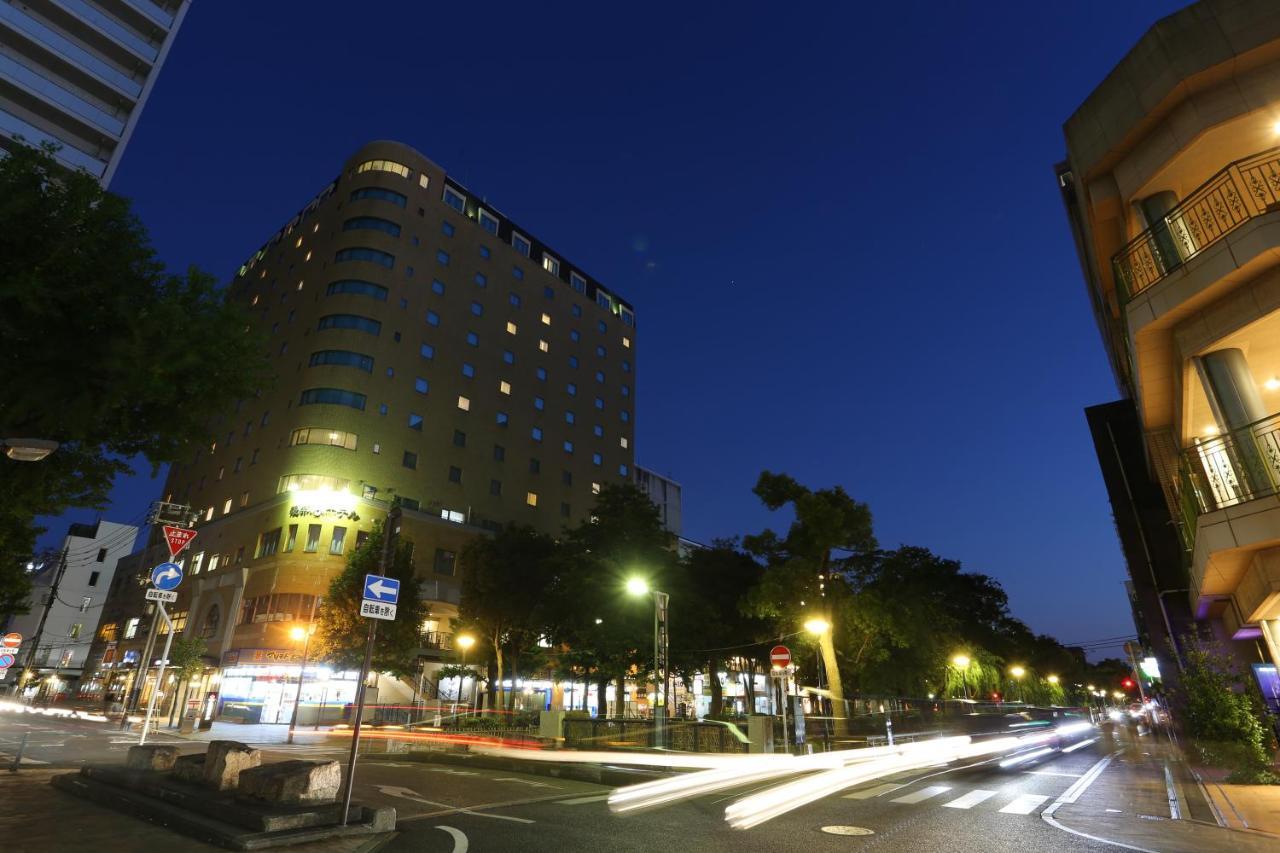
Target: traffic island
column 226, row 797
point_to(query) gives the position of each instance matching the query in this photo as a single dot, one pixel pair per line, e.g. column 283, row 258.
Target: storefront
column 265, row 692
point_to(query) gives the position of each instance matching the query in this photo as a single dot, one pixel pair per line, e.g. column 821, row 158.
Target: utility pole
column 48, row 605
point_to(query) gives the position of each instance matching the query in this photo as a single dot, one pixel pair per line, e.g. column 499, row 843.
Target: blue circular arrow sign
column 166, row 576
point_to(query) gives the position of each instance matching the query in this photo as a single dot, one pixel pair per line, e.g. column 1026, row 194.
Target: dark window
column 362, row 288
column 495, row 487
column 534, row 466
column 459, row 438
column 444, row 562
column 455, row 474
column 564, row 510
column 499, row 452
column 447, row 228
column 343, row 358
column 566, row 478
column 350, row 321
column 380, row 194
column 410, row 460
column 361, row 253
column 371, row 223
column 332, row 396
column 102, row 555
column 93, row 578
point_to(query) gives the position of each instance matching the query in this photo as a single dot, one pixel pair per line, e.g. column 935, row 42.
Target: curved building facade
column 428, row 352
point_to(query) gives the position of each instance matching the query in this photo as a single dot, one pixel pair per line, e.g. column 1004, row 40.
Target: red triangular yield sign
column 178, row 538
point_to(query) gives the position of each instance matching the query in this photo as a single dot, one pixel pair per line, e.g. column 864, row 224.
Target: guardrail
column 1243, row 190
column 1232, row 468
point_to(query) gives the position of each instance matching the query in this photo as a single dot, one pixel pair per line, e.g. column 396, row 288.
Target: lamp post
column 1017, row 672
column 638, row 586
column 817, row 626
column 961, row 662
column 303, row 634
column 464, row 642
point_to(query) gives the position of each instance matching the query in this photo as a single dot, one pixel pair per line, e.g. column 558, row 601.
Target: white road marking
column 877, row 791
column 410, row 794
column 528, row 782
column 923, row 794
column 970, row 799
column 1053, row 773
column 1073, row 793
column 1025, row 804
column 460, row 843
column 1175, row 810
column 578, row 801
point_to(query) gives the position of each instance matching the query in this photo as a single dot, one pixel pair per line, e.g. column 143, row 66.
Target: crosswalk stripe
column 578, row 801
column 1025, row 804
column 873, row 792
column 923, row 794
column 970, row 799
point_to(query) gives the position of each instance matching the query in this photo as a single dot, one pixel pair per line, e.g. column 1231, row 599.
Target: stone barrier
column 225, row 761
column 292, row 783
column 151, row 757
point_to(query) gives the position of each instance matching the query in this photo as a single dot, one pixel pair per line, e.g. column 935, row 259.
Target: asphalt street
column 1117, row 788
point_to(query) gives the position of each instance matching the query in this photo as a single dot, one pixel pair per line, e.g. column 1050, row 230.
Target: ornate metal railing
column 1233, row 468
column 1243, row 190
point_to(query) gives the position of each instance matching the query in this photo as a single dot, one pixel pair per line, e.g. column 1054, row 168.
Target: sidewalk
column 38, row 818
column 1254, row 807
column 253, row 733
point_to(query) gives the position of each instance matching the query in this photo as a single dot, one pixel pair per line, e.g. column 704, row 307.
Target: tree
column 104, row 351
column 610, row 632
column 499, row 574
column 341, row 631
column 829, row 531
column 709, row 622
column 186, row 661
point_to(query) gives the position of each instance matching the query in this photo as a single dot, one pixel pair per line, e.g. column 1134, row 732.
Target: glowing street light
column 464, row 642
column 1053, row 679
column 661, row 695
column 1017, row 672
column 961, row 662
column 303, row 634
column 817, row 626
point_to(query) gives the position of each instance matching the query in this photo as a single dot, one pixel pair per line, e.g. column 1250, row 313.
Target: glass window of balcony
column 357, row 288
column 383, row 166
column 322, row 435
column 371, row 223
column 379, row 194
column 361, row 253
column 332, row 397
column 342, row 358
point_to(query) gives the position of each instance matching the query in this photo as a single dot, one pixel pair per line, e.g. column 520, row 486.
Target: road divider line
column 579, row 801
column 1073, row 793
column 1175, row 809
column 877, row 791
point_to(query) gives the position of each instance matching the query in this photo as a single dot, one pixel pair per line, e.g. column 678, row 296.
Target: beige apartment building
column 429, row 353
column 1172, row 184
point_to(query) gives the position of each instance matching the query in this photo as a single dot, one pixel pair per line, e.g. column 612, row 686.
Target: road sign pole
column 782, row 688
column 355, row 731
column 155, row 691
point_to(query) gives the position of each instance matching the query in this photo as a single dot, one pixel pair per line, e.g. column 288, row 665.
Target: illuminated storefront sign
column 319, row 503
column 237, row 657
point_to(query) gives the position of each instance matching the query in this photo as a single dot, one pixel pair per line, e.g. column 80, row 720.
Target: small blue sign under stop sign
column 166, row 576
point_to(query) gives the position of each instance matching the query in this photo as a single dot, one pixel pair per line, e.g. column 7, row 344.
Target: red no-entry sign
column 11, row 641
column 780, row 656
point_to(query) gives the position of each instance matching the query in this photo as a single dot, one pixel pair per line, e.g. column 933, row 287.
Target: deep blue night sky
column 840, row 229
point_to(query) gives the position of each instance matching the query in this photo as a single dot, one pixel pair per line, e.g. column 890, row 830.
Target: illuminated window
column 454, row 199
column 543, row 346
column 311, row 483
column 511, row 328
column 131, row 628
column 531, row 498
column 550, row 264
column 521, row 244
column 504, row 387
column 488, row 221
column 546, row 319
column 623, row 442
column 626, row 343
column 423, row 180
column 383, row 166
column 226, row 506
column 464, row 404
column 595, row 488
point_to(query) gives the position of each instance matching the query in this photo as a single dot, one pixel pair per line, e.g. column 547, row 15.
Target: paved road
column 1116, row 788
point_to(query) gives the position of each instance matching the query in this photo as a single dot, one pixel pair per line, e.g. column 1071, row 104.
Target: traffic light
column 1127, row 684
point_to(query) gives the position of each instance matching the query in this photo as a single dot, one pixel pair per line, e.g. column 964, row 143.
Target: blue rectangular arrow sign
column 383, row 589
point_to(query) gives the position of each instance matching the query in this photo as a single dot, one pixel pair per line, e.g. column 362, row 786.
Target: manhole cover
column 848, row 830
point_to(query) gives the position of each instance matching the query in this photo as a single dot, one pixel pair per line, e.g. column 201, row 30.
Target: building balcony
column 1242, row 191
column 1231, row 469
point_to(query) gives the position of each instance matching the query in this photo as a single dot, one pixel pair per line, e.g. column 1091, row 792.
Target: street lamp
column 304, row 634
column 817, row 626
column 28, row 449
column 639, row 586
column 961, row 662
column 464, row 642
column 1017, row 672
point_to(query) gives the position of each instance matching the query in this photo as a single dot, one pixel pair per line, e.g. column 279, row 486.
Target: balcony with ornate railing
column 1230, row 469
column 436, row 640
column 1245, row 189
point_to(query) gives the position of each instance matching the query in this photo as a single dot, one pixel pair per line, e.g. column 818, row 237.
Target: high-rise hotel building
column 429, row 352
column 1172, row 186
column 77, row 73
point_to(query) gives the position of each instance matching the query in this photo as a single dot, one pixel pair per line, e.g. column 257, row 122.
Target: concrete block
column 189, row 768
column 151, row 757
column 225, row 761
column 292, row 783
